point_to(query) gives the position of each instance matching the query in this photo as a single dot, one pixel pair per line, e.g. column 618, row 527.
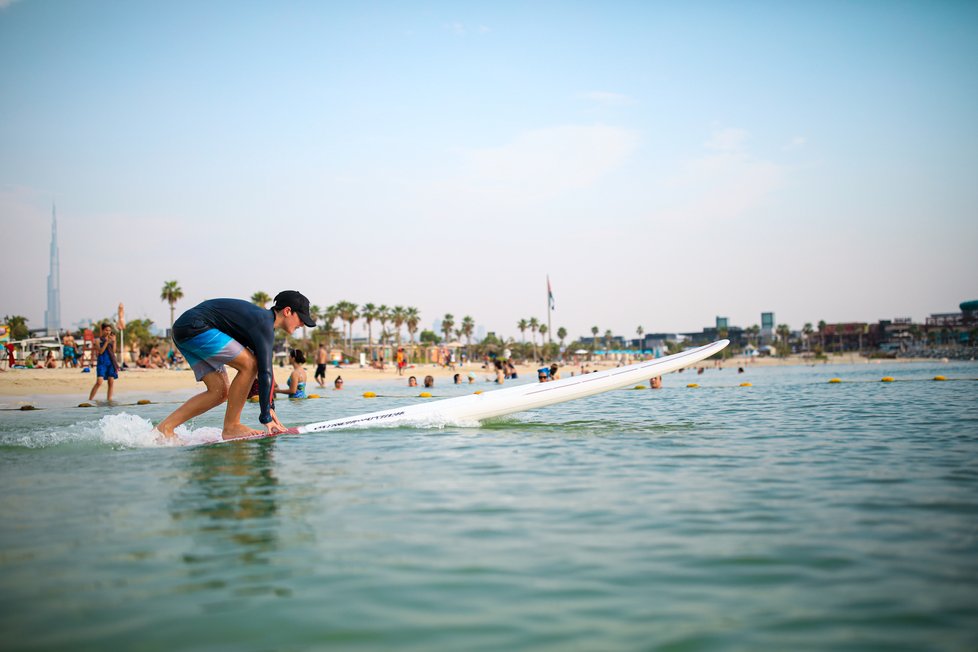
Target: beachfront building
column 52, row 316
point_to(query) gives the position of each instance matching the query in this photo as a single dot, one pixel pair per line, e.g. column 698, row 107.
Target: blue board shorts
column 209, row 351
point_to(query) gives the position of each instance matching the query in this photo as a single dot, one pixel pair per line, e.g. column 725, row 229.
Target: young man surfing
column 239, row 334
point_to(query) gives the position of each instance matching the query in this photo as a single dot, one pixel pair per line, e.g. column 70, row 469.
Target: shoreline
column 19, row 383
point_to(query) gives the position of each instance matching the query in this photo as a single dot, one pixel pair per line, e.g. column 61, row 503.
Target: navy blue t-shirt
column 251, row 325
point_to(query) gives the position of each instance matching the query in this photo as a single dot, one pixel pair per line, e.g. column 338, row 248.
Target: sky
column 664, row 163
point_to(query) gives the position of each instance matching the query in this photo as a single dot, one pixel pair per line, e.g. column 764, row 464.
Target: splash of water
column 122, row 430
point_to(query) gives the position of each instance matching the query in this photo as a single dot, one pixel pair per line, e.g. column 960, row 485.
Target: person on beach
column 322, row 356
column 554, row 374
column 50, row 362
column 239, row 334
column 106, row 363
column 297, row 379
column 401, row 361
column 68, row 352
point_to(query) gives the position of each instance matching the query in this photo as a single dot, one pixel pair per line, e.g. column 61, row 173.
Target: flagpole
column 549, row 310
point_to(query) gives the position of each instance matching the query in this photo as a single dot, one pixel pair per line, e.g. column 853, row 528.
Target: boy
column 106, row 363
column 239, row 334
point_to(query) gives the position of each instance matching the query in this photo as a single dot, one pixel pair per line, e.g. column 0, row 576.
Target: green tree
column 783, row 332
column 468, row 327
column 171, row 293
column 522, row 325
column 398, row 317
column 446, row 326
column 534, row 327
column 347, row 310
column 561, row 334
column 429, row 337
column 139, row 336
column 640, row 331
column 368, row 312
column 807, row 331
column 260, row 299
column 18, row 327
column 594, row 339
column 383, row 316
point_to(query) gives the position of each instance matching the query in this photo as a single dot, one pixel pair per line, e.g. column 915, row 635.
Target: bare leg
column 91, row 395
column 216, row 393
column 247, row 368
column 111, row 383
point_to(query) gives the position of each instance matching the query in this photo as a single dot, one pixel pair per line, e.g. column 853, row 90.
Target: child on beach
column 297, row 379
column 239, row 334
column 106, row 364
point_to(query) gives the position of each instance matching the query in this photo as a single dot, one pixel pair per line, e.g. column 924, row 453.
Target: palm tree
column 534, row 327
column 594, row 338
column 347, row 310
column 543, row 332
column 446, row 326
column 784, row 332
column 260, row 299
column 171, row 293
column 561, row 334
column 383, row 316
column 522, row 325
column 821, row 333
column 369, row 313
column 398, row 315
column 640, row 331
column 607, row 339
column 807, row 331
column 411, row 319
column 468, row 326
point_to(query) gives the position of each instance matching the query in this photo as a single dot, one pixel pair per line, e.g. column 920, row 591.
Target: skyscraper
column 52, row 316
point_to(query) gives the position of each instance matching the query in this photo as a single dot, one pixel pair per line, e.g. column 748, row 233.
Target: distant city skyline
column 663, row 163
column 52, row 316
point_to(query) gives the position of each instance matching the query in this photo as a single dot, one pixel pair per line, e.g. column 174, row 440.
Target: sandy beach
column 132, row 382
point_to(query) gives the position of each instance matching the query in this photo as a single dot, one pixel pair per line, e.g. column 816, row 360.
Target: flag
column 550, row 294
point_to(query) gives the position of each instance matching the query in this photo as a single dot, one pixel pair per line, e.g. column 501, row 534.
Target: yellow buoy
column 746, row 385
column 425, row 395
column 143, row 401
column 639, row 387
column 886, row 379
column 940, row 378
column 478, row 391
column 692, row 385
column 835, row 380
column 369, row 395
column 85, row 405
column 27, row 407
column 313, row 396
column 253, row 399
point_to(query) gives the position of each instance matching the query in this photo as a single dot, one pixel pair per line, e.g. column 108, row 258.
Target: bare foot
column 239, row 430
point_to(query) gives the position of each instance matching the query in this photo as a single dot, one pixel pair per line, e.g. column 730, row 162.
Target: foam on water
column 122, row 430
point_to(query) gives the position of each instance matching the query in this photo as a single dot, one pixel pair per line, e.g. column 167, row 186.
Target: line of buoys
column 692, row 385
column 835, row 380
column 424, row 395
column 746, row 385
column 886, row 379
column 940, row 378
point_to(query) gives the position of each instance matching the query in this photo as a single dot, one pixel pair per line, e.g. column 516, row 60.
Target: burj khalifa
column 52, row 316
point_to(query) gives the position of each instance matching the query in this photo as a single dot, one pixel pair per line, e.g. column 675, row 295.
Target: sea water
column 790, row 515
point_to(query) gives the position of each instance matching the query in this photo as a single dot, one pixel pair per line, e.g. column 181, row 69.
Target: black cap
column 298, row 302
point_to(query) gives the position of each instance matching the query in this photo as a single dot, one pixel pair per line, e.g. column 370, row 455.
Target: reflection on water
column 229, row 507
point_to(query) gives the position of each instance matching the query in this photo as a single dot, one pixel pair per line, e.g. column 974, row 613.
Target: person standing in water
column 239, row 334
column 106, row 364
column 322, row 357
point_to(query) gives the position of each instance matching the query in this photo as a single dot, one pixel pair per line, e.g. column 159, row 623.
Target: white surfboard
column 500, row 402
